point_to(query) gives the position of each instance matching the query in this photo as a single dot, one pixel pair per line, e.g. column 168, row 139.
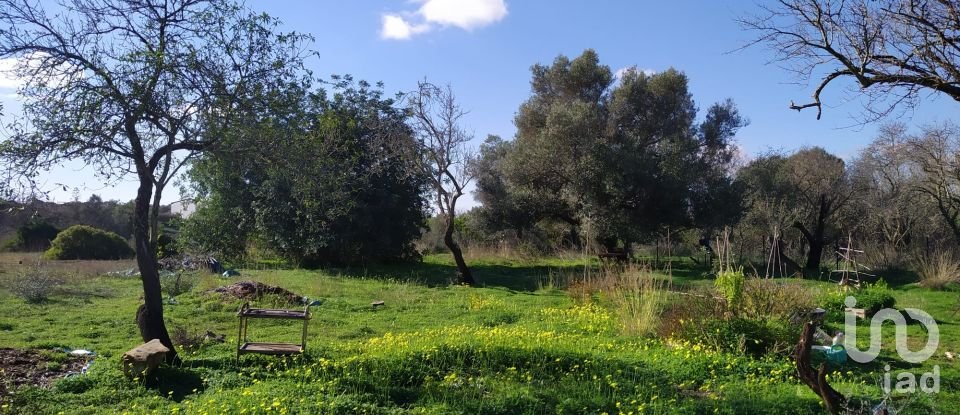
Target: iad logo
column 906, row 381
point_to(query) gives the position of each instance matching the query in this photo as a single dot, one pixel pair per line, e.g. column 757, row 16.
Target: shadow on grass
column 175, row 383
column 522, row 277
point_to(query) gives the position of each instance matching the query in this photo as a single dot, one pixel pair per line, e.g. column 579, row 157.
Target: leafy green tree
column 35, row 235
column 503, row 207
column 130, row 87
column 811, row 188
column 622, row 156
column 333, row 188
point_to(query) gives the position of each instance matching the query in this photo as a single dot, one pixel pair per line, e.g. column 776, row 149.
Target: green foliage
column 176, row 283
column 758, row 337
column 332, row 189
column 34, row 285
column 441, row 349
column 621, row 159
column 871, row 298
column 730, row 283
column 85, row 242
column 35, row 235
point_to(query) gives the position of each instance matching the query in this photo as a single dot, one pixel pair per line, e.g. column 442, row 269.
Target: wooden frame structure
column 245, row 346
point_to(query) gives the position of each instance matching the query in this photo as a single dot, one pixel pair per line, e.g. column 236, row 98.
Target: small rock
column 144, row 359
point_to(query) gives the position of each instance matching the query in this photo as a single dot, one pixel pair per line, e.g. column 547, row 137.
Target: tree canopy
column 135, row 87
column 623, row 156
column 332, row 188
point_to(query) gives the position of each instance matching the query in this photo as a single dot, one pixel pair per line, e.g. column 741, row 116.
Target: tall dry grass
column 939, row 270
column 634, row 294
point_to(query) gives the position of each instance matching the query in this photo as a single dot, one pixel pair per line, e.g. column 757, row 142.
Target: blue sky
column 484, row 49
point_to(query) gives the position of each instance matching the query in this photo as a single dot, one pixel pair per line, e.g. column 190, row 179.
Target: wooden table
column 245, row 346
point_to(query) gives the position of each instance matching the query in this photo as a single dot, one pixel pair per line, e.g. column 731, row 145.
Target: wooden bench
column 270, row 348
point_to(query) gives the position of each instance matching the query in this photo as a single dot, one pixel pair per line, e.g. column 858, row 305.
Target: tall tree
column 127, row 85
column 805, row 191
column 624, row 156
column 888, row 211
column 440, row 152
column 820, row 182
column 893, row 50
column 936, row 154
column 503, row 207
column 332, row 189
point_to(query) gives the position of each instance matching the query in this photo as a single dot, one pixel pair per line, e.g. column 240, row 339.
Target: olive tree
column 131, row 88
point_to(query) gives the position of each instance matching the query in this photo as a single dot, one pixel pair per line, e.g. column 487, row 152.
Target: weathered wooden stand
column 245, row 346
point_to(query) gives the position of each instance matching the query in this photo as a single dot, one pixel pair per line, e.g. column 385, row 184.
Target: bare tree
column 443, row 156
column 132, row 86
column 892, row 49
column 936, row 153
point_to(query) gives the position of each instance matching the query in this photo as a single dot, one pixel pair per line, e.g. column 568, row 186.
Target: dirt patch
column 252, row 290
column 20, row 367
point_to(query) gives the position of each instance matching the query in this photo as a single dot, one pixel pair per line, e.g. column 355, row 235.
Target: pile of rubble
column 252, row 290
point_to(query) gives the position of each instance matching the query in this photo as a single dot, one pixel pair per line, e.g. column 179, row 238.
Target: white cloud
column 396, row 27
column 463, row 14
column 8, row 79
column 15, row 71
column 623, row 71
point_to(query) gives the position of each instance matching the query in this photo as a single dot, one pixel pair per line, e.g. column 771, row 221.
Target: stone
column 144, row 359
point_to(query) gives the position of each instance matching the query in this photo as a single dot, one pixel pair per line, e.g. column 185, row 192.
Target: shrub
column 34, row 285
column 777, row 299
column 871, row 298
column 86, row 242
column 938, row 270
column 176, row 283
column 758, row 337
column 634, row 294
column 186, row 338
column 730, row 285
column 32, row 236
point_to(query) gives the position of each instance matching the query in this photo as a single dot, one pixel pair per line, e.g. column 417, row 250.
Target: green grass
column 516, row 345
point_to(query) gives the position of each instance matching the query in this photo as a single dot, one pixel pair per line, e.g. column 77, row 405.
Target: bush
column 176, row 283
column 730, row 285
column 86, row 242
column 758, row 337
column 34, row 285
column 639, row 299
column 938, row 270
column 872, row 298
column 32, row 236
column 776, row 299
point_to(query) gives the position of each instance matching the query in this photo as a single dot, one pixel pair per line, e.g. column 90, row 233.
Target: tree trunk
column 463, row 272
column 155, row 219
column 816, row 238
column 150, row 314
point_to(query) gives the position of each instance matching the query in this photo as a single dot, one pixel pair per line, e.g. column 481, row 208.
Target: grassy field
column 519, row 344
